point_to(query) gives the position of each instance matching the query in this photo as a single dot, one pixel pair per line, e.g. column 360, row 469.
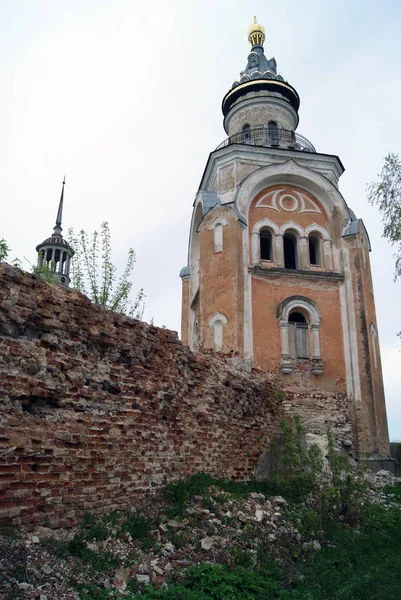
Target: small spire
column 58, row 228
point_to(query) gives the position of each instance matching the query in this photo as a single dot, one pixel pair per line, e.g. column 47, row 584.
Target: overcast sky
column 124, row 98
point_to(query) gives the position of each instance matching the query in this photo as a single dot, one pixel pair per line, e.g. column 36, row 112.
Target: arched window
column 246, row 134
column 217, row 226
column 290, row 251
column 272, row 130
column 266, row 245
column 315, row 250
column 217, row 322
column 298, row 335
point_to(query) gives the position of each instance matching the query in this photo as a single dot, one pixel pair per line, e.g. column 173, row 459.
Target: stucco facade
column 278, row 265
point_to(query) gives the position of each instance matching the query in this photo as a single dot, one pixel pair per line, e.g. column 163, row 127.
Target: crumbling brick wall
column 97, row 410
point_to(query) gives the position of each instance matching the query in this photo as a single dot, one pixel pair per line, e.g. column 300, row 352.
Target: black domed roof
column 54, row 240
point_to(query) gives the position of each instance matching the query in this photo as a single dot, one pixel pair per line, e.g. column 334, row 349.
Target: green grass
column 394, row 492
column 359, row 564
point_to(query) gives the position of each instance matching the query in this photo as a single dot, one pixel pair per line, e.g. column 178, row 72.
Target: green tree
column 4, row 249
column 94, row 274
column 386, row 194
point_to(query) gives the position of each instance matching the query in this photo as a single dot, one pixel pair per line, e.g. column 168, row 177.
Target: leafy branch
column 94, row 274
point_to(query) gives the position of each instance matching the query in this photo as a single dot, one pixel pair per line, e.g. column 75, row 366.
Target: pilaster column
column 67, row 265
column 315, row 342
column 279, row 250
column 317, row 364
column 303, row 252
column 328, row 258
column 286, row 366
column 255, row 248
column 61, row 263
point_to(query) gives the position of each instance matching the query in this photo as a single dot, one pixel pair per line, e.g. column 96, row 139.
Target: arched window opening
column 218, row 237
column 218, row 335
column 298, row 334
column 246, row 134
column 217, row 322
column 266, row 245
column 290, row 251
column 272, row 130
column 315, row 250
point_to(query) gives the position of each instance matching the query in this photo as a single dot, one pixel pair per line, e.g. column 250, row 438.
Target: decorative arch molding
column 218, row 221
column 291, row 173
column 217, row 317
column 315, row 228
column 289, row 304
column 265, row 223
column 283, row 313
column 291, row 225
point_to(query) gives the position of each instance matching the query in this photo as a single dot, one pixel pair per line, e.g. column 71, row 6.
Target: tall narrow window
column 246, row 134
column 290, row 251
column 315, row 250
column 266, row 245
column 218, row 237
column 272, row 130
column 298, row 334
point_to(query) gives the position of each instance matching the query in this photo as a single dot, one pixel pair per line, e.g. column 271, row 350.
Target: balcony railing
column 262, row 136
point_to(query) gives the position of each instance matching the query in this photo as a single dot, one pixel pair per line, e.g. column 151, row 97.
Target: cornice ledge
column 299, row 273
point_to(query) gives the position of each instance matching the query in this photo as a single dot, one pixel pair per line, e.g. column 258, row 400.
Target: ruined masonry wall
column 97, row 410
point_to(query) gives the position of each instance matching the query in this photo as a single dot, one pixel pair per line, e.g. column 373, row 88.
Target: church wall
column 221, row 283
column 267, row 294
column 97, row 410
column 372, row 418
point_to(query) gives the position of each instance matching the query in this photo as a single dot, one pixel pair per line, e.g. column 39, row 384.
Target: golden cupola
column 256, row 34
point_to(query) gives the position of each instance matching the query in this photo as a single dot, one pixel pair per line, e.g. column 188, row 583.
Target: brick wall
column 97, row 410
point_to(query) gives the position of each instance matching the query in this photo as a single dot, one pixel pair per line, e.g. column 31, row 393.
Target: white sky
column 124, row 98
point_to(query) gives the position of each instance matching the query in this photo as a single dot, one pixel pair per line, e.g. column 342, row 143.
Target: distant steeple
column 58, row 229
column 54, row 254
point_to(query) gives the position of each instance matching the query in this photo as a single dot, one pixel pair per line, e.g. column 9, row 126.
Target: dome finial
column 256, row 33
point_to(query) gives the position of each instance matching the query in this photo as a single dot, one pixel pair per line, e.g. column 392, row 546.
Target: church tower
column 278, row 269
column 54, row 254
